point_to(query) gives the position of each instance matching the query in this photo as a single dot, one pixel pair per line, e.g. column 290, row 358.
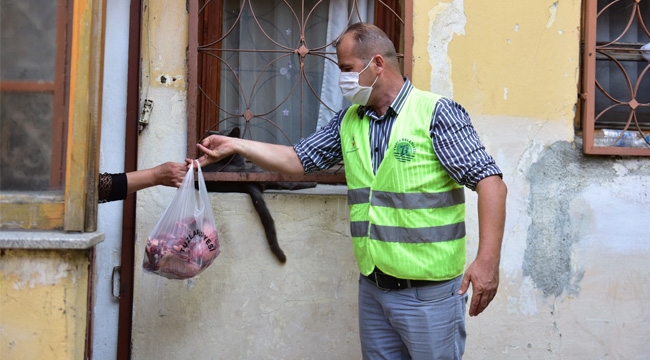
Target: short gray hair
column 370, row 40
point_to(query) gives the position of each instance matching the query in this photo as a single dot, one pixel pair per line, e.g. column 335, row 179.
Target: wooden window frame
column 336, row 176
column 588, row 91
column 73, row 209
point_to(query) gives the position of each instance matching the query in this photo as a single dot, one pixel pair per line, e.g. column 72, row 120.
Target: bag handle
column 200, row 204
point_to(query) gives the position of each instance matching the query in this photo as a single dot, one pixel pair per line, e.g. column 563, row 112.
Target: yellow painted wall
column 43, row 304
column 510, row 58
column 164, row 71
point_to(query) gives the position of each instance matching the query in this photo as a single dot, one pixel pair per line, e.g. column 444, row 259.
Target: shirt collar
column 395, row 107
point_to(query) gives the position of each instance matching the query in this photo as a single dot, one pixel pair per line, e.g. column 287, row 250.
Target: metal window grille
column 253, row 64
column 616, row 77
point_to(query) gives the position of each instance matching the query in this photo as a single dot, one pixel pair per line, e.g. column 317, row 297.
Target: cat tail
column 267, row 221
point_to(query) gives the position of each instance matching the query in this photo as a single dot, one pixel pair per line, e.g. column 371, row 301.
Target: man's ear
column 380, row 62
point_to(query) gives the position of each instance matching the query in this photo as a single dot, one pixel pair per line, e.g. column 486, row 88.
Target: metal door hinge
column 116, row 279
column 147, row 107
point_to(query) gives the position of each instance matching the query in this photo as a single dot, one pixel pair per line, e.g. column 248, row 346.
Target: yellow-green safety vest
column 409, row 218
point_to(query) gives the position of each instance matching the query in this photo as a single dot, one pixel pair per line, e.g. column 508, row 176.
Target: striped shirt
column 454, row 140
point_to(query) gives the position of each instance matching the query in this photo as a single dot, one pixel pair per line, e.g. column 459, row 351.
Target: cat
column 237, row 163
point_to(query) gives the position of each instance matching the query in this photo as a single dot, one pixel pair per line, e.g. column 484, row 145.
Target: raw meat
column 182, row 253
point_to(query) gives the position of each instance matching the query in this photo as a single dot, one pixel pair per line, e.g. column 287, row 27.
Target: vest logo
column 404, row 150
column 353, row 146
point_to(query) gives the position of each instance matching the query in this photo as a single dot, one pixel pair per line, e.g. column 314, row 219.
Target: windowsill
column 48, row 240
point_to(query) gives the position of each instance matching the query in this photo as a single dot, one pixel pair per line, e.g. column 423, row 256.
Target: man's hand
column 483, row 273
column 272, row 157
column 484, row 277
column 215, row 148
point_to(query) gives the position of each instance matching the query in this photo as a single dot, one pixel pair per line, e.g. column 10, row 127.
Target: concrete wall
column 247, row 304
column 43, row 303
column 574, row 275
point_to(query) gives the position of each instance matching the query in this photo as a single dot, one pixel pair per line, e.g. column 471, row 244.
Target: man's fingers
column 464, row 285
column 480, row 301
column 202, row 148
column 476, row 306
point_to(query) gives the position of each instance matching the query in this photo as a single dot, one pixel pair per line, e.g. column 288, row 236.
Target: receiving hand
column 170, row 174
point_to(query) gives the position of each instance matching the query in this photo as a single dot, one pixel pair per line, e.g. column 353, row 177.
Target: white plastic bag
column 184, row 241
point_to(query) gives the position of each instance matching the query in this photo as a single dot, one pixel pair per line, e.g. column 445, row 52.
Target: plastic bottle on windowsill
column 610, row 137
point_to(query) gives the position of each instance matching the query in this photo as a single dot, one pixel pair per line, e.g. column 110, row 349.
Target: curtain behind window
column 261, row 75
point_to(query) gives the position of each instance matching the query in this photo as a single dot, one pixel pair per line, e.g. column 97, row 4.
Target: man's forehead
column 346, row 60
column 344, row 48
column 346, row 42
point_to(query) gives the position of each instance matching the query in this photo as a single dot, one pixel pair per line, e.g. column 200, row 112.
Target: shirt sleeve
column 458, row 146
column 112, row 187
column 322, row 149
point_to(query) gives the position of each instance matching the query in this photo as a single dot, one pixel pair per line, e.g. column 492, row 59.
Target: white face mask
column 355, row 93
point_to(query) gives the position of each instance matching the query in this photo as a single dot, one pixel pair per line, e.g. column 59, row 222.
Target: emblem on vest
column 404, row 150
column 353, row 146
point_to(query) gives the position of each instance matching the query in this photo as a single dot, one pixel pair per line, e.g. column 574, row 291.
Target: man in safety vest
column 408, row 155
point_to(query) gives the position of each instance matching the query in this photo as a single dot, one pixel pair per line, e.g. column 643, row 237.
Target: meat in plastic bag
column 184, row 242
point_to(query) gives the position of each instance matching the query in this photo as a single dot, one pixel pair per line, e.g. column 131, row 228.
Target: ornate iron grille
column 616, row 79
column 269, row 68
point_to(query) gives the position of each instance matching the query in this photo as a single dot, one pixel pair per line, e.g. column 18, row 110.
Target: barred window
column 616, row 77
column 269, row 68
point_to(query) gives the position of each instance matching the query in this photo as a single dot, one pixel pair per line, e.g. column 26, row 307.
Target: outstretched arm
column 277, row 158
column 483, row 273
column 167, row 174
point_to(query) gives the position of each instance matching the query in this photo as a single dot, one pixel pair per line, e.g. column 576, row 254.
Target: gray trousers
column 426, row 322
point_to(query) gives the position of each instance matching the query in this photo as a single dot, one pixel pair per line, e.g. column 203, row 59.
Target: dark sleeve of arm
column 112, row 187
column 458, row 146
column 322, row 149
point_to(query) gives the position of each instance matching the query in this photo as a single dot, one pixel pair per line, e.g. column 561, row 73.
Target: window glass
column 31, row 96
column 270, row 67
column 26, row 127
column 263, row 74
column 27, row 40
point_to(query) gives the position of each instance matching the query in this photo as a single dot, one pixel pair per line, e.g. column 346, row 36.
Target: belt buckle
column 399, row 284
column 377, row 282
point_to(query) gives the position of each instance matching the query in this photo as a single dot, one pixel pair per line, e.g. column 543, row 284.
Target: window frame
column 332, row 176
column 587, row 94
column 73, row 209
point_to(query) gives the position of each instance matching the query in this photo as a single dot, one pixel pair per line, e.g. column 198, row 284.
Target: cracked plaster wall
column 574, row 278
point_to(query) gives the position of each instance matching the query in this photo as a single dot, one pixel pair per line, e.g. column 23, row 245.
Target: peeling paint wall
column 574, row 281
column 43, row 298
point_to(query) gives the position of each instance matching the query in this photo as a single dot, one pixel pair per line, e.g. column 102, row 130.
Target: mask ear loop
column 367, row 66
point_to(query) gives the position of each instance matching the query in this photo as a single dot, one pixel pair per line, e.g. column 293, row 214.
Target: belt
column 387, row 282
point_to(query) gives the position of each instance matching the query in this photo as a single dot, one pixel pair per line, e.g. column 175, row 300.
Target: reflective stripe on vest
column 407, row 201
column 407, row 235
column 409, row 219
